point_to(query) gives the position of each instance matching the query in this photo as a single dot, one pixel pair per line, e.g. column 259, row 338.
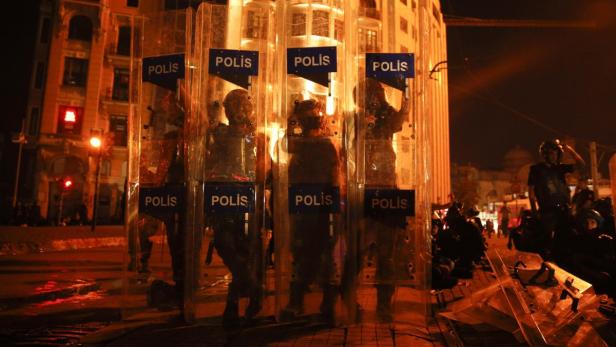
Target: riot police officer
column 314, row 161
column 548, row 190
column 382, row 122
column 231, row 158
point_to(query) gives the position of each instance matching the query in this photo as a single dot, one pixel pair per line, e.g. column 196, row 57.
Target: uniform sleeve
column 395, row 119
column 332, row 159
column 532, row 176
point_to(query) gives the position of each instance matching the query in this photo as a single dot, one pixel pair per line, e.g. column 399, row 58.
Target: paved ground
column 76, row 296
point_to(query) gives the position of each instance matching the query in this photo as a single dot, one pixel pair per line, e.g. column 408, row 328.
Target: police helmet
column 593, row 214
column 309, row 114
column 238, row 107
column 551, row 145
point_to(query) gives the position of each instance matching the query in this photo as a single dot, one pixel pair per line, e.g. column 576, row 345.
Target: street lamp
column 96, row 144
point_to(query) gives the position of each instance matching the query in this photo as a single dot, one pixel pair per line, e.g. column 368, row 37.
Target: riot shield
column 309, row 166
column 156, row 218
column 392, row 249
column 550, row 305
column 229, row 162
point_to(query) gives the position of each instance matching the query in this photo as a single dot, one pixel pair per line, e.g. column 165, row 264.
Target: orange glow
column 68, row 183
column 95, row 142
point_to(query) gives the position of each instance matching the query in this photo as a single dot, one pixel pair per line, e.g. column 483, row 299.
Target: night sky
column 523, row 85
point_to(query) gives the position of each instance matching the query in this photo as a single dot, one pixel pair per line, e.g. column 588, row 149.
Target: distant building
column 493, row 187
column 80, row 85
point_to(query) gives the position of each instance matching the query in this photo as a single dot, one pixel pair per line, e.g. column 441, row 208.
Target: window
column 404, row 25
column 124, row 34
column 132, row 3
column 70, row 120
column 75, row 72
column 320, row 23
column 255, row 25
column 45, row 28
column 298, row 25
column 80, row 28
column 105, row 167
column 119, row 127
column 121, row 81
column 338, row 30
column 39, row 75
column 367, row 40
column 182, row 4
column 35, row 120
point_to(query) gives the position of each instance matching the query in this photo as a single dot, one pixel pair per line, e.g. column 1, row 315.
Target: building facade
column 81, row 86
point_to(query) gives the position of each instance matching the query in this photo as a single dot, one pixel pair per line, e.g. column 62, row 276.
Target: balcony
column 371, row 13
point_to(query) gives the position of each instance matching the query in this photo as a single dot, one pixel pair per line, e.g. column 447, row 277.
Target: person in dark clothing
column 163, row 148
column 470, row 245
column 528, row 235
column 442, row 266
column 382, row 232
column 550, row 195
column 604, row 207
column 232, row 158
column 314, row 161
column 504, row 222
column 594, row 258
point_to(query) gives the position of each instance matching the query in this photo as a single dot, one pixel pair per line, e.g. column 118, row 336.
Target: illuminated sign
column 311, row 198
column 69, row 116
column 234, row 66
column 69, row 119
column 312, row 63
column 383, row 202
column 164, row 70
column 229, row 197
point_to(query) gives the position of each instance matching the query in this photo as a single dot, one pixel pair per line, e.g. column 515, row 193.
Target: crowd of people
column 577, row 233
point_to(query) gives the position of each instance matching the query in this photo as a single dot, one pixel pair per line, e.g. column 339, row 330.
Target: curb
column 24, row 240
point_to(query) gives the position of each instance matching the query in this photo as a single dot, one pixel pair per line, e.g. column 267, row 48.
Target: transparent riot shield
column 309, row 166
column 229, row 162
column 156, row 199
column 392, row 237
column 550, row 305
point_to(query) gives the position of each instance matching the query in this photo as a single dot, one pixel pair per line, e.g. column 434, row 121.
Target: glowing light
column 95, row 142
column 69, row 116
column 68, row 183
column 330, row 106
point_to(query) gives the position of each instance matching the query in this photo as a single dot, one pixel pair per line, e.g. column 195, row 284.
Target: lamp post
column 66, row 184
column 21, row 139
column 96, row 143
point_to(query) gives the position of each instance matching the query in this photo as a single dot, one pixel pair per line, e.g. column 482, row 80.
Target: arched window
column 80, row 28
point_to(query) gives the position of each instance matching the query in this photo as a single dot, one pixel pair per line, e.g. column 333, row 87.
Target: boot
column 255, row 305
column 144, row 267
column 328, row 305
column 296, row 303
column 230, row 317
